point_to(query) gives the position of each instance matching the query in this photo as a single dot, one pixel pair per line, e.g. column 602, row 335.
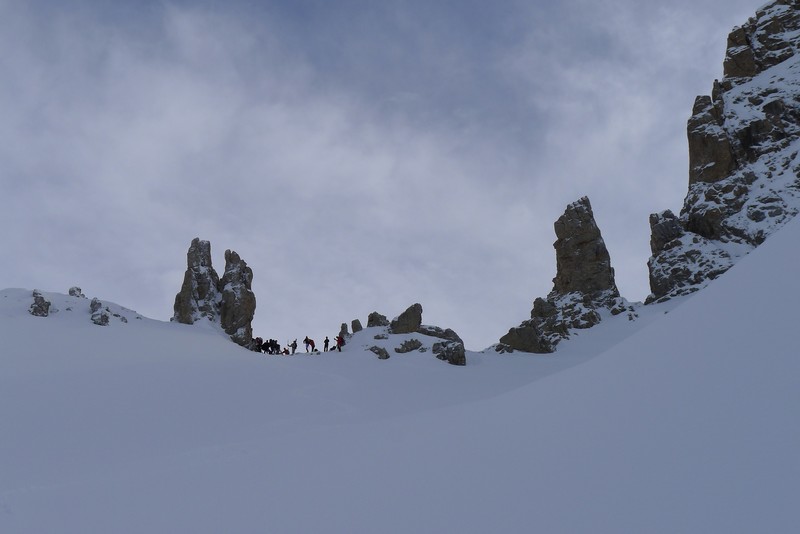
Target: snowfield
column 685, row 420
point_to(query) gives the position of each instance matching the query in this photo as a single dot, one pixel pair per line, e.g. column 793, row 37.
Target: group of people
column 339, row 340
column 271, row 346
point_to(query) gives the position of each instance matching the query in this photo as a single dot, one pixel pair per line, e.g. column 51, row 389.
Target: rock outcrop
column 450, row 349
column 376, row 319
column 408, row 321
column 237, row 302
column 75, row 291
column 583, row 288
column 199, row 297
column 744, row 169
column 228, row 301
column 356, row 325
column 409, row 346
column 40, row 306
column 100, row 314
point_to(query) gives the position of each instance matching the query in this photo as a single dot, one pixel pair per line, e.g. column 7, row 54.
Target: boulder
column 75, row 291
column 409, row 321
column 356, row 325
column 100, row 314
column 409, row 346
column 382, row 353
column 450, row 351
column 376, row 319
column 40, row 306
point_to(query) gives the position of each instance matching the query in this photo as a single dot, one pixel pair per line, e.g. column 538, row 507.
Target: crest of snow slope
column 689, row 425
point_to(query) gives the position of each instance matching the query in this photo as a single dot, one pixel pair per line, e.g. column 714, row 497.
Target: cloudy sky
column 360, row 156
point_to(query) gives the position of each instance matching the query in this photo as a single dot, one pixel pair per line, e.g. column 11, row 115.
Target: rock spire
column 228, row 301
column 583, row 288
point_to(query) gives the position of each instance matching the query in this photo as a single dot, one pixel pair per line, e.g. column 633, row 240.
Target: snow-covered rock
column 744, row 168
column 583, row 288
column 228, row 301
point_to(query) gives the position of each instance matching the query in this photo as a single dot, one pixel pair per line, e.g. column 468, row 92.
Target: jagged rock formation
column 376, row 319
column 199, row 296
column 356, row 325
column 408, row 321
column 238, row 303
column 584, row 286
column 228, row 301
column 40, row 306
column 744, row 169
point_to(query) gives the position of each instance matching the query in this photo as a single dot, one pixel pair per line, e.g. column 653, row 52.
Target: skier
column 294, row 346
column 325, row 344
column 339, row 343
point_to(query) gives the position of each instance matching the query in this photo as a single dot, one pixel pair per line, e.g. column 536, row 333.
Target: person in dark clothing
column 325, row 344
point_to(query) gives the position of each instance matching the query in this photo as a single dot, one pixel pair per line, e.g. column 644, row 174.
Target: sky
column 359, row 156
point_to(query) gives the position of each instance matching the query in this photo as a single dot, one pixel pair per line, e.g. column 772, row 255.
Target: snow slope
column 690, row 424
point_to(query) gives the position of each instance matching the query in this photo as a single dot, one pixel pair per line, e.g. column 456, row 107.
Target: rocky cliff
column 744, row 169
column 228, row 301
column 583, row 289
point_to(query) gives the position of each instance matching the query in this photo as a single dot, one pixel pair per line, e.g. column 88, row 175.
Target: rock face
column 356, row 325
column 584, row 286
column 40, row 306
column 228, row 301
column 744, row 170
column 238, row 303
column 408, row 321
column 199, row 296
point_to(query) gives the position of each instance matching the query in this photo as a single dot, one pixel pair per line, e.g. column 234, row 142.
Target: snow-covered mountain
column 679, row 416
column 690, row 424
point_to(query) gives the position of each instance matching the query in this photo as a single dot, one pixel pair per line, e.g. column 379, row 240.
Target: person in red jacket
column 339, row 343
